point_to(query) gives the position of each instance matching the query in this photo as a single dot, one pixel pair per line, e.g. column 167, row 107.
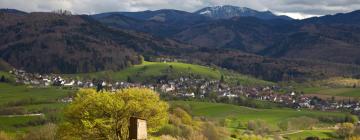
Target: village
column 193, row 88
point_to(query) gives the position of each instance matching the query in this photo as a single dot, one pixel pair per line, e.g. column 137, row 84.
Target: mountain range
column 253, row 42
column 228, row 11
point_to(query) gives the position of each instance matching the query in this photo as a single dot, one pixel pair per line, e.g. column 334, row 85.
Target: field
column 238, row 114
column 347, row 92
column 23, row 100
column 244, row 114
column 150, row 71
column 322, row 134
column 339, row 94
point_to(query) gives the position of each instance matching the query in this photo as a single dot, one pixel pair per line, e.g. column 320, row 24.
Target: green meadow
column 21, row 99
column 345, row 92
column 244, row 114
column 236, row 117
column 322, row 134
column 150, row 71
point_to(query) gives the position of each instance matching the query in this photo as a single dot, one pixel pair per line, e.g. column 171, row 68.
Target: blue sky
column 294, row 8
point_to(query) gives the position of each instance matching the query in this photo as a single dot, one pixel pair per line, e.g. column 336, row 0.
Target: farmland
column 23, row 100
column 244, row 114
column 239, row 115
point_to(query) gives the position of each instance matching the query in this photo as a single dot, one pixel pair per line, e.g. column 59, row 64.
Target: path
column 23, row 115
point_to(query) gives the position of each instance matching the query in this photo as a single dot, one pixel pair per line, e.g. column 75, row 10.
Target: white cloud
column 297, row 15
column 293, row 8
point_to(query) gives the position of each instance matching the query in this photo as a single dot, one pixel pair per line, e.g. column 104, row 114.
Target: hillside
column 162, row 23
column 274, row 50
column 4, row 66
column 152, row 71
column 228, row 11
column 60, row 43
column 332, row 38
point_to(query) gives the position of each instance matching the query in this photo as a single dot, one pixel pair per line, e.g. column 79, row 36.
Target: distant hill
column 160, row 22
column 12, row 11
column 4, row 66
column 153, row 71
column 54, row 42
column 271, row 49
column 228, row 11
column 340, row 18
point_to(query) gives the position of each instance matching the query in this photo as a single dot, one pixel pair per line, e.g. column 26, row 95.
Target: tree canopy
column 106, row 115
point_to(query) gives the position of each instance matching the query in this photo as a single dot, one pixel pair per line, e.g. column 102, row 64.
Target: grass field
column 345, row 92
column 44, row 100
column 239, row 114
column 322, row 134
column 11, row 92
column 244, row 114
column 150, row 71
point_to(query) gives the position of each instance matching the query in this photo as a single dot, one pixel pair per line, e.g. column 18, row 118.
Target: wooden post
column 138, row 129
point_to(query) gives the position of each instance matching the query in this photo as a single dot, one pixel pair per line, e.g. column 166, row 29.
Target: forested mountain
column 228, row 11
column 272, row 49
column 55, row 42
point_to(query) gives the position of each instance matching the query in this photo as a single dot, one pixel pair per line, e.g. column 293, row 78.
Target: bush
column 345, row 129
column 351, row 119
column 169, row 129
column 12, row 111
column 298, row 123
column 183, row 116
column 259, row 127
column 47, row 132
column 4, row 136
column 210, row 131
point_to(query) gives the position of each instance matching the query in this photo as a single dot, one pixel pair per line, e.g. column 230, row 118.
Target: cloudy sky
column 294, row 8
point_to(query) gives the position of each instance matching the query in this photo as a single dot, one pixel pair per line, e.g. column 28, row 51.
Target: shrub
column 259, row 127
column 210, row 131
column 345, row 129
column 12, row 111
column 47, row 132
column 351, row 118
column 4, row 136
column 298, row 123
column 183, row 116
column 170, row 130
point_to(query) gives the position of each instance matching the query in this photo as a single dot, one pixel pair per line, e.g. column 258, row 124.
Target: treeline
column 272, row 69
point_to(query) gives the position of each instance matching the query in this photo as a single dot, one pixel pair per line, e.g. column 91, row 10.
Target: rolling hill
column 273, row 49
column 162, row 23
column 229, row 11
column 152, row 71
column 60, row 43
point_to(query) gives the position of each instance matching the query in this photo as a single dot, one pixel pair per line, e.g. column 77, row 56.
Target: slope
column 61, row 43
column 152, row 71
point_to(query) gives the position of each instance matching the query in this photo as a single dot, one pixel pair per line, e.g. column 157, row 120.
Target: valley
column 217, row 73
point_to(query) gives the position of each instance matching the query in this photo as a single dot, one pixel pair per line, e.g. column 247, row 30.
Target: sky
column 297, row 9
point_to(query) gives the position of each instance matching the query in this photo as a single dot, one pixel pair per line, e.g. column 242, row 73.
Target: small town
column 190, row 88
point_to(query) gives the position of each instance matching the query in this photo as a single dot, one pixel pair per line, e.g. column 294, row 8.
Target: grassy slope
column 4, row 66
column 47, row 98
column 148, row 71
column 241, row 114
column 345, row 92
column 336, row 86
column 244, row 114
column 11, row 92
column 322, row 134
